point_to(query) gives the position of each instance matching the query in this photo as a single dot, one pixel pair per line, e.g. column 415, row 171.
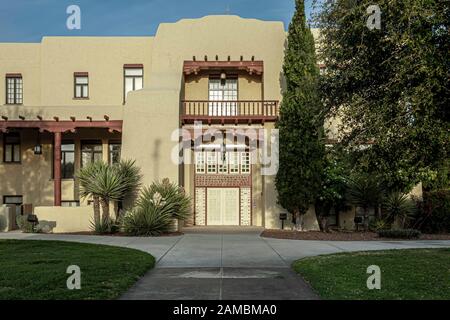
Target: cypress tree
column 301, row 151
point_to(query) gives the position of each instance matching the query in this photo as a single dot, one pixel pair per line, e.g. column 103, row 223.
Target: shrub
column 378, row 224
column 171, row 196
column 399, row 207
column 148, row 219
column 23, row 224
column 104, row 226
column 434, row 212
column 399, row 233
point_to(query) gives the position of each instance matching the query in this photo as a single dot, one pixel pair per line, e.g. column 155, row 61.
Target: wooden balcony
column 240, row 111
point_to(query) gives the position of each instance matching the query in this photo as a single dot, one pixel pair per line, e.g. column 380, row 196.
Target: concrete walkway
column 226, row 263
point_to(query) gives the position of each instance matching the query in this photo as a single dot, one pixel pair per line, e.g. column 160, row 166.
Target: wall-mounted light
column 223, row 76
column 38, row 147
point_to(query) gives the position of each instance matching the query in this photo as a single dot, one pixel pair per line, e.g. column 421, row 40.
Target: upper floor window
column 81, row 85
column 14, row 88
column 91, row 151
column 133, row 78
column 222, row 90
column 11, row 148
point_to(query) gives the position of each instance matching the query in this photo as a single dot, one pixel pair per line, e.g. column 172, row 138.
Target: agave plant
column 399, row 207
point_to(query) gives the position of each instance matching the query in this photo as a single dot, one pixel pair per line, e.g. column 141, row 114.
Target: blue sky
column 30, row 20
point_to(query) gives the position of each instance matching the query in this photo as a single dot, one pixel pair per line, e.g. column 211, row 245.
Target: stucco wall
column 62, row 219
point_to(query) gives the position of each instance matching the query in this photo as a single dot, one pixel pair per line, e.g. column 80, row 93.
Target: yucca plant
column 364, row 191
column 105, row 183
column 399, row 207
column 86, row 177
column 172, row 196
column 148, row 219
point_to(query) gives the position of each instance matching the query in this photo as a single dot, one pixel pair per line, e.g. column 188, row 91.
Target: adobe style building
column 67, row 101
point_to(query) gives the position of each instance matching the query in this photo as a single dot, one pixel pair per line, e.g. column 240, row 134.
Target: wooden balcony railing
column 240, row 111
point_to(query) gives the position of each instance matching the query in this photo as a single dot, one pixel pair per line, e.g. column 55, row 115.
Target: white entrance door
column 223, row 206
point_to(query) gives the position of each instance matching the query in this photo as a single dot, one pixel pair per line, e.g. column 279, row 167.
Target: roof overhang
column 252, row 67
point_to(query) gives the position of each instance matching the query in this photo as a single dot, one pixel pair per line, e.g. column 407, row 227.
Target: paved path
column 226, row 263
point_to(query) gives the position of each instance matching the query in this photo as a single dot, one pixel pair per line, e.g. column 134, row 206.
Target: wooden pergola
column 58, row 127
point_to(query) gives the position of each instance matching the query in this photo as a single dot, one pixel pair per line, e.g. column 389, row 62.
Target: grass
column 405, row 274
column 37, row 269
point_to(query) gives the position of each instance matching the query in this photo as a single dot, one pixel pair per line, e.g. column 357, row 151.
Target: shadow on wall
column 32, row 177
column 155, row 156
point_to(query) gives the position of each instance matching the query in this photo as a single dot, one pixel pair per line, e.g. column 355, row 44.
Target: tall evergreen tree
column 301, row 150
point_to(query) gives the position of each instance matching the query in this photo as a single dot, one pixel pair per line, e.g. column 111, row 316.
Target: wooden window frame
column 92, row 152
column 131, row 66
column 75, row 85
column 14, row 76
column 5, row 136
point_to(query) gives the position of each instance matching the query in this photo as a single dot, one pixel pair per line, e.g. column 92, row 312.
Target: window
column 234, row 163
column 81, row 84
column 11, row 148
column 67, row 159
column 245, row 162
column 223, row 162
column 15, row 200
column 211, row 162
column 114, row 152
column 199, row 162
column 133, row 78
column 223, row 90
column 91, row 151
column 70, row 203
column 14, row 89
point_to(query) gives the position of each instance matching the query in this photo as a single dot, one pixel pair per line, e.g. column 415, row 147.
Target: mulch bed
column 340, row 235
column 118, row 234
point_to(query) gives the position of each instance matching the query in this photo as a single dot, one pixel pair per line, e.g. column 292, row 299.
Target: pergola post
column 57, row 169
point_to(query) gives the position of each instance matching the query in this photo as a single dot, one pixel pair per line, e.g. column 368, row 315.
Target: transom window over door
column 223, row 90
column 133, row 78
column 14, row 89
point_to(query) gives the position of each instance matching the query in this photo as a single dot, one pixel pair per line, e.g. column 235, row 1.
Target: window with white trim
column 223, row 163
column 234, row 163
column 134, row 79
column 14, row 89
column 211, row 162
column 245, row 162
column 81, row 83
column 199, row 162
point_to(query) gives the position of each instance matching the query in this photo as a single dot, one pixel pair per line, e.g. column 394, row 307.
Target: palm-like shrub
column 364, row 191
column 148, row 219
column 173, row 196
column 156, row 208
column 399, row 207
column 105, row 183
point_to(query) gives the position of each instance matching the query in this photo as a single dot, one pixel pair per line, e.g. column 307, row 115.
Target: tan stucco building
column 71, row 100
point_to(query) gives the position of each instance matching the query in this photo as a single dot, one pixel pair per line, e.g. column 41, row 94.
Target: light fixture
column 38, row 146
column 223, row 76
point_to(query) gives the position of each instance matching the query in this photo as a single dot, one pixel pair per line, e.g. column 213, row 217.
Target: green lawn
column 405, row 274
column 37, row 269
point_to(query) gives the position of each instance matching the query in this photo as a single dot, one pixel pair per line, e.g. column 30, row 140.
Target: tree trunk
column 96, row 206
column 366, row 219
column 105, row 208
column 298, row 220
